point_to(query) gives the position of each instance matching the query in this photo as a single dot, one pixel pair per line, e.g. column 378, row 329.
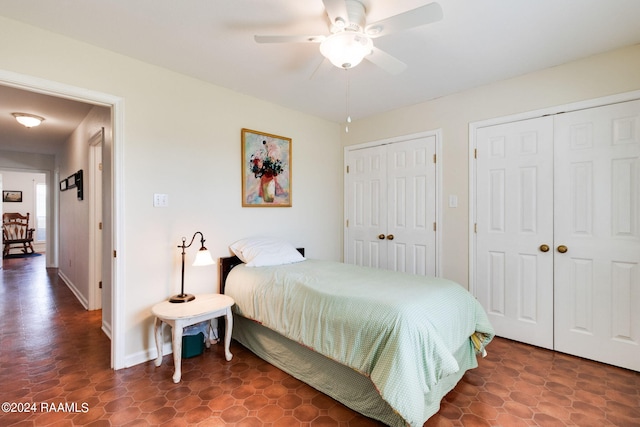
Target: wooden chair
column 16, row 232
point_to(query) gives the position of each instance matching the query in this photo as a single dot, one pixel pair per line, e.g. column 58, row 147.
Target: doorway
column 112, row 183
column 32, row 187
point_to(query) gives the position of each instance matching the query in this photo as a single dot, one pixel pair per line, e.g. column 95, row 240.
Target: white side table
column 181, row 315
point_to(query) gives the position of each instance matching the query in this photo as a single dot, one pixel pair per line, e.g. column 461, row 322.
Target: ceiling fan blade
column 385, row 61
column 336, row 9
column 423, row 15
column 288, row 39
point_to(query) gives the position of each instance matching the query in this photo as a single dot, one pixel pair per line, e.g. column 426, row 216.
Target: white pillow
column 264, row 251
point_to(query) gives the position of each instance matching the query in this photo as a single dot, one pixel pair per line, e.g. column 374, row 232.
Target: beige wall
column 74, row 219
column 181, row 137
column 606, row 74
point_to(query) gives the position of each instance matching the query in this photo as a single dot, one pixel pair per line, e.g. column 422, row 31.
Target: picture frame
column 266, row 169
column 12, row 196
column 71, row 181
column 79, row 184
column 74, row 181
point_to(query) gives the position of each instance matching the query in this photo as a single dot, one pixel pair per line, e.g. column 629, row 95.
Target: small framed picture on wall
column 71, row 181
column 11, row 196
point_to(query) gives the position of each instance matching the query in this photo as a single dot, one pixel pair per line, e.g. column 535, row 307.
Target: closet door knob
column 544, row 248
column 390, row 237
column 562, row 249
column 381, row 236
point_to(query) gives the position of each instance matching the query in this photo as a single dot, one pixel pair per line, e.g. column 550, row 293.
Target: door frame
column 94, row 198
column 116, row 104
column 437, row 133
column 473, row 128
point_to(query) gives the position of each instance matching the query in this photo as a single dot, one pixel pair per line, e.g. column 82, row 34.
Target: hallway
column 55, row 359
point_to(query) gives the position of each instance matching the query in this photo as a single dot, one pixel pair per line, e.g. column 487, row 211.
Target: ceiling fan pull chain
column 346, row 129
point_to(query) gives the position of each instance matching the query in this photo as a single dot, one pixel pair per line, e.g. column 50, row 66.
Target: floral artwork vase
column 267, row 188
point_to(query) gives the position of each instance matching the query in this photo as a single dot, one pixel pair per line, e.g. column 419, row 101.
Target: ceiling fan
column 351, row 38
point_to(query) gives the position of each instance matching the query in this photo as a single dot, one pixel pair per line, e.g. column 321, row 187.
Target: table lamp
column 203, row 257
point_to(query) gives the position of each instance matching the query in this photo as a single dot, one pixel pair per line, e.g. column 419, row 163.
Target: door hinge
column 100, row 166
column 434, row 227
column 100, row 284
column 347, row 168
column 475, row 227
column 114, row 253
column 100, row 225
column 347, row 223
column 475, row 153
column 434, row 158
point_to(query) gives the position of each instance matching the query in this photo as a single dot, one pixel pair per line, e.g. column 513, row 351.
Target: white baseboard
column 83, row 300
column 106, row 328
column 147, row 355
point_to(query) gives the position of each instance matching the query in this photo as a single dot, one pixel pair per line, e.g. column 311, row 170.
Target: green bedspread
column 399, row 329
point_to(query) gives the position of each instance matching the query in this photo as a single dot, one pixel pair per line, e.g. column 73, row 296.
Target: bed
column 388, row 345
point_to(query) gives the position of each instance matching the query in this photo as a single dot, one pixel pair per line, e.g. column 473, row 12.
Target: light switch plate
column 160, row 200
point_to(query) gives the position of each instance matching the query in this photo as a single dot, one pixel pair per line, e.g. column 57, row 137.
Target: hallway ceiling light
column 28, row 120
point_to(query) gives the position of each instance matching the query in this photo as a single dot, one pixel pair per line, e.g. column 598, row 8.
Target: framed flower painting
column 266, row 170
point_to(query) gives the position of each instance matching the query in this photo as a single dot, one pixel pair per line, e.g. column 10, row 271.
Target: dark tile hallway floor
column 53, row 353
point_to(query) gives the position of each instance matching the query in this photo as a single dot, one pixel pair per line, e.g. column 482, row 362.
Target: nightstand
column 181, row 315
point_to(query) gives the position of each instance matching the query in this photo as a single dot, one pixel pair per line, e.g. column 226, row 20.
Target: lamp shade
column 346, row 49
column 203, row 257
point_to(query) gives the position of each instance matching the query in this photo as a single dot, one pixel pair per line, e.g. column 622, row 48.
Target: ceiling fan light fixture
column 28, row 120
column 346, row 49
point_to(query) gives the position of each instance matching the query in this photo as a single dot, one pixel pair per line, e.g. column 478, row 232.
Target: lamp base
column 182, row 298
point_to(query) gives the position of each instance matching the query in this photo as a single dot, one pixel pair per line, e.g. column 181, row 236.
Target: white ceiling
column 476, row 43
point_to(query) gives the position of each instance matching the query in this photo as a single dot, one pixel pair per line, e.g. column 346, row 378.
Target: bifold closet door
column 514, row 229
column 391, row 206
column 597, row 234
column 366, row 207
column 557, row 257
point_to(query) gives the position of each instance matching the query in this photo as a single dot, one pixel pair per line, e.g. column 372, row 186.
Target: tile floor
column 53, row 353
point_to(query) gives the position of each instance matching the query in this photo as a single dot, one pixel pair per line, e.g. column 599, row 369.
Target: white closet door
column 597, row 199
column 366, row 205
column 514, row 217
column 391, row 206
column 411, row 213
